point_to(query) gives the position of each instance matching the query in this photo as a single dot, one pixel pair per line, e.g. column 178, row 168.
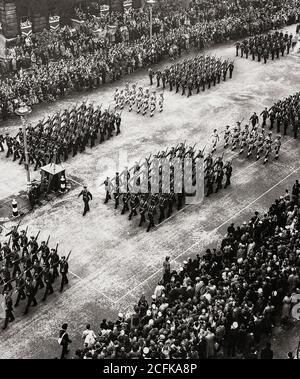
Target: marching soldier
column 265, row 115
column 48, row 279
column 87, row 197
column 133, row 206
column 254, row 119
column 210, row 183
column 107, row 190
column 161, row 103
column 125, row 199
column 151, row 212
column 231, row 68
column 38, row 272
column 20, row 288
column 30, row 290
column 8, row 306
column 142, row 211
column 54, row 263
column 152, row 106
column 268, row 148
column 228, row 174
column 215, row 140
column 277, row 147
column 64, row 269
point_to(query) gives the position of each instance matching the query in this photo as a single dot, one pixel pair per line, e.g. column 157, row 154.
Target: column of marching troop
column 252, row 141
column 139, row 99
column 193, row 75
column 27, row 270
column 66, row 133
column 142, row 193
column 266, row 46
column 257, row 138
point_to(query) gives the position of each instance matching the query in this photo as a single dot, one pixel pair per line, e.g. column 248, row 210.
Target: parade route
column 114, row 262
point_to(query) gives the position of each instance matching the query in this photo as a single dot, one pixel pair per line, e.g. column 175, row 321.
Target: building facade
column 13, row 12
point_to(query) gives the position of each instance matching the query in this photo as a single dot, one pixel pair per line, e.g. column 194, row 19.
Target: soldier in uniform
column 64, row 269
column 161, row 102
column 54, row 263
column 142, row 211
column 228, row 174
column 210, row 182
column 48, row 279
column 19, row 289
column 151, row 212
column 277, row 144
column 265, row 115
column 87, row 197
column 8, row 306
column 30, row 290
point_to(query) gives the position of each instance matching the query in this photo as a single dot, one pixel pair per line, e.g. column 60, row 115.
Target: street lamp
column 151, row 3
column 23, row 111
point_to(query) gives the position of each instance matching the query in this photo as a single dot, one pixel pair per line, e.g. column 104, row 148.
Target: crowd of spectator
column 45, row 67
column 222, row 303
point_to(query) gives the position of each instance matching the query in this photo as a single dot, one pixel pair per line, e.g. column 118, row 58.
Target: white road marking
column 213, row 231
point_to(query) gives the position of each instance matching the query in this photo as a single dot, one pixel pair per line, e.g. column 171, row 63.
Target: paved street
column 113, row 262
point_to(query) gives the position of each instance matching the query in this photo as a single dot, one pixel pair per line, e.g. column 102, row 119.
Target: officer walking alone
column 86, row 196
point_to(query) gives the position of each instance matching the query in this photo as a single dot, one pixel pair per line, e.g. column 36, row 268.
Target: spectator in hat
column 64, row 340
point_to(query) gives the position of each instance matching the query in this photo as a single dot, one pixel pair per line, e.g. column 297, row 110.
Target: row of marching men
column 257, row 138
column 27, row 269
column 139, row 99
column 126, row 188
column 63, row 134
column 249, row 141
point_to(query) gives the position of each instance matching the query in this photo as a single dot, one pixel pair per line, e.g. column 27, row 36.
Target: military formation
column 193, row 75
column 139, row 99
column 252, row 140
column 137, row 192
column 284, row 115
column 65, row 134
column 265, row 47
column 29, row 269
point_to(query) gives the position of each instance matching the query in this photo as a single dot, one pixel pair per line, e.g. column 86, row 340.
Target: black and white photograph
column 149, row 182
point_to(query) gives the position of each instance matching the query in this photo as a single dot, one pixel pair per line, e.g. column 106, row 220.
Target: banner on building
column 127, row 4
column 104, row 9
column 26, row 28
column 76, row 23
column 54, row 22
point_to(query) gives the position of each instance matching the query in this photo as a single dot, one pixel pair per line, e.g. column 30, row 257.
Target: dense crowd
column 220, row 303
column 73, row 60
column 66, row 133
column 28, row 269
